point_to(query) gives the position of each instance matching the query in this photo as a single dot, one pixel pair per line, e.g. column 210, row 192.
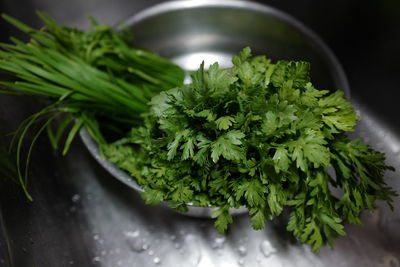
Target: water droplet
column 157, row 260
column 96, row 237
column 218, row 243
column 75, row 198
column 132, row 233
column 241, row 261
column 101, row 241
column 71, row 262
column 119, row 263
column 103, row 253
column 151, row 252
column 145, row 246
column 266, row 248
column 242, row 250
column 135, row 242
column 172, row 237
column 96, row 259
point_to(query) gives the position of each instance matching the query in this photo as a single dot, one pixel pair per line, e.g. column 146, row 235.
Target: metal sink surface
column 81, row 216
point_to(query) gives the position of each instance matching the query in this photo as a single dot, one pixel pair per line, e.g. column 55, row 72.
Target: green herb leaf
column 223, row 219
column 258, row 135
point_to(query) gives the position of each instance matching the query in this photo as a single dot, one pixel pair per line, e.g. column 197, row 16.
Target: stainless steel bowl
column 189, row 32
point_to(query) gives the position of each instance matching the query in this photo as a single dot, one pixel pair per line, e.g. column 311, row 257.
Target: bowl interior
column 189, row 32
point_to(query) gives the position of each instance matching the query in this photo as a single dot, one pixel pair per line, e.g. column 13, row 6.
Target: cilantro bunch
column 257, row 135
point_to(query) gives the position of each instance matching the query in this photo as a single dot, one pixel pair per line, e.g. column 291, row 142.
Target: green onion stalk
column 92, row 79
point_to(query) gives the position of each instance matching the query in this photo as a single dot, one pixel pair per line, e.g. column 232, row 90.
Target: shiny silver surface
column 82, row 216
column 189, row 32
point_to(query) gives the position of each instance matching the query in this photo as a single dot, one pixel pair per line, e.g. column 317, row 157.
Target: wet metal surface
column 87, row 218
column 82, row 216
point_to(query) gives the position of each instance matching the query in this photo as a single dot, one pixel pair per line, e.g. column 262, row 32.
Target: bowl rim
column 334, row 66
column 94, row 150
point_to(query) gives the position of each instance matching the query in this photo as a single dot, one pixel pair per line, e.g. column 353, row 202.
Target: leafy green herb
column 88, row 78
column 95, row 72
column 257, row 135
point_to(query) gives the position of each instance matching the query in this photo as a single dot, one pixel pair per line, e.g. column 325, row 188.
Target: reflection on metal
column 192, row 61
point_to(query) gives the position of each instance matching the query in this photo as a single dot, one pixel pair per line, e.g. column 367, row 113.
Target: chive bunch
column 88, row 78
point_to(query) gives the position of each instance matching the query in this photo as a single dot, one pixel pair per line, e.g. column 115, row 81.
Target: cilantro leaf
column 309, row 150
column 312, row 235
column 223, row 219
column 252, row 190
column 223, row 123
column 257, row 218
column 152, row 196
column 281, row 159
column 338, row 112
column 295, row 73
column 188, row 148
column 228, row 146
column 182, row 193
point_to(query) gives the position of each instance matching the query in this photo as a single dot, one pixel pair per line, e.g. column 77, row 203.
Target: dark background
column 364, row 35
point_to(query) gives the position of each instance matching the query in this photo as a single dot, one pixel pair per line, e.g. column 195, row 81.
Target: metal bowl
column 189, row 32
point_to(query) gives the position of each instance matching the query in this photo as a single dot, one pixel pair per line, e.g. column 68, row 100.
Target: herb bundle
column 93, row 79
column 95, row 71
column 257, row 135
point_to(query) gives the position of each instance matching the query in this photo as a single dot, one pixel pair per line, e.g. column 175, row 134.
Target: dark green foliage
column 257, row 135
column 92, row 79
column 94, row 72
